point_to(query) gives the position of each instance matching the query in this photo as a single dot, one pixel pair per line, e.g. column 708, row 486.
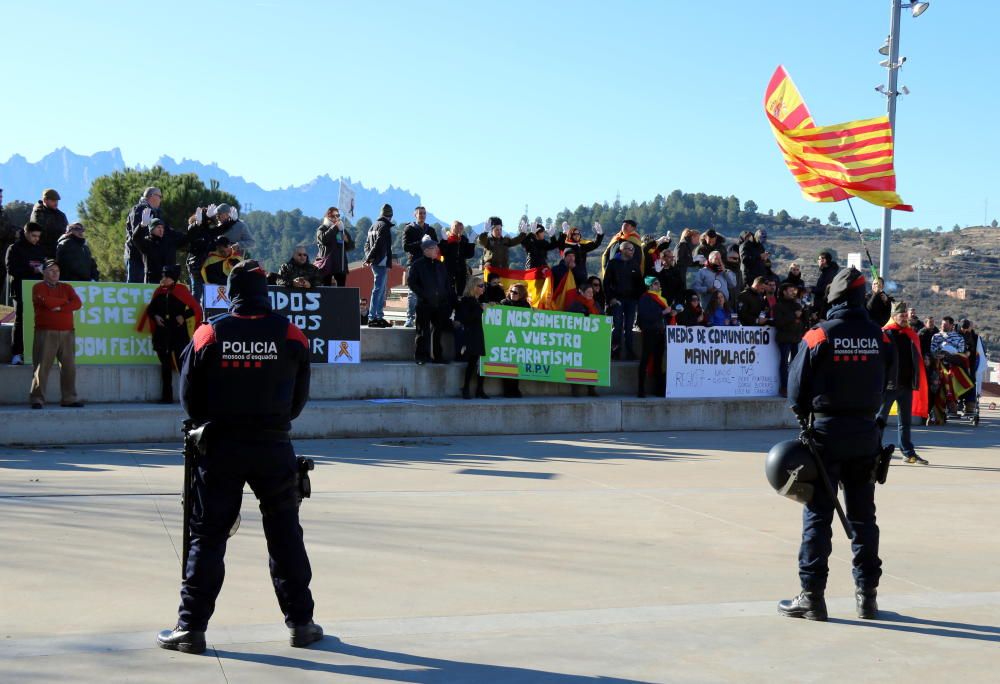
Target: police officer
column 246, row 375
column 838, row 376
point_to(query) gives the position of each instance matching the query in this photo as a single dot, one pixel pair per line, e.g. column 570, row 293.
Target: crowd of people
column 645, row 283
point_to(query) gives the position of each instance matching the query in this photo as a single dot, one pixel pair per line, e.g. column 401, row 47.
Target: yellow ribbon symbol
column 345, row 350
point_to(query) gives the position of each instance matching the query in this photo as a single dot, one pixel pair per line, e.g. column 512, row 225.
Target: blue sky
column 482, row 107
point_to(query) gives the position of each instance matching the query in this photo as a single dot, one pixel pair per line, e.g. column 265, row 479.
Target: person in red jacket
column 55, row 338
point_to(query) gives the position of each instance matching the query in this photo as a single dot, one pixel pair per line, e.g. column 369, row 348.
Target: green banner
column 105, row 325
column 550, row 346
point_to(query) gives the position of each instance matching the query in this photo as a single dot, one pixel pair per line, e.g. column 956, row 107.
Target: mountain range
column 72, row 174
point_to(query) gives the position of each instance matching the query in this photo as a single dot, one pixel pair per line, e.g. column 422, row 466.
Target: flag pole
column 857, row 225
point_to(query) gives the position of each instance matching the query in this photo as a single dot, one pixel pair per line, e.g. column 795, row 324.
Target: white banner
column 725, row 361
column 346, row 201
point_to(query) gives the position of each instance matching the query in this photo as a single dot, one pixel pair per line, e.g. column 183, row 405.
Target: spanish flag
column 499, row 370
column 558, row 296
column 832, row 163
column 535, row 279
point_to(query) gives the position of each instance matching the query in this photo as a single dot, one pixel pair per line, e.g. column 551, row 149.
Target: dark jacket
column 456, row 255
column 684, row 255
column 622, row 280
column 795, row 279
column 429, row 281
column 378, row 243
column 908, row 360
column 749, row 304
column 560, row 271
column 171, row 336
column 522, row 303
column 580, row 249
column 789, row 327
column 842, row 367
column 752, row 258
column 134, row 221
column 537, row 251
column 265, row 392
column 75, row 259
column 22, row 260
column 819, row 289
column 672, row 283
column 879, row 308
column 650, row 314
column 53, row 223
column 494, row 294
column 413, row 233
column 690, row 316
column 290, row 270
column 496, row 251
column 334, row 245
column 201, row 241
column 157, row 252
column 469, row 312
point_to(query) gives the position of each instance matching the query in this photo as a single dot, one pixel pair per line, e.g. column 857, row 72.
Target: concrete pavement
column 653, row 557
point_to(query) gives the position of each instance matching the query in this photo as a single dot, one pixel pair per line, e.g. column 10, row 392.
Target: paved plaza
column 651, row 557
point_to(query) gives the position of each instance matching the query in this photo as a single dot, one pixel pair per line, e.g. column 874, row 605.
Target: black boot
column 180, row 639
column 301, row 636
column 808, row 604
column 866, row 604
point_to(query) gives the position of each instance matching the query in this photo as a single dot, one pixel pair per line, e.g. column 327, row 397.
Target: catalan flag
column 832, row 163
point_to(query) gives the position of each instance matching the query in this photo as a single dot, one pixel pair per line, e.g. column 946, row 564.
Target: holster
column 882, row 461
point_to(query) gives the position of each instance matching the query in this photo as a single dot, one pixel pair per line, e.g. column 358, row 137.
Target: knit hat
column 173, row 271
column 247, row 287
column 223, row 209
column 649, row 280
column 427, row 242
column 50, row 194
column 847, row 282
column 156, row 222
column 386, row 211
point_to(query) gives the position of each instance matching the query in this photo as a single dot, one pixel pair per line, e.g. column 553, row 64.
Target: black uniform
column 839, row 375
column 246, row 373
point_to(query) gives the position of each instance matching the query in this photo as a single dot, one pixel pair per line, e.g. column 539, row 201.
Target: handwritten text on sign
column 721, row 362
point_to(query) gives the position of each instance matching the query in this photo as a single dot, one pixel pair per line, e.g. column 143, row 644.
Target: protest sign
column 723, row 361
column 105, row 325
column 550, row 346
column 330, row 317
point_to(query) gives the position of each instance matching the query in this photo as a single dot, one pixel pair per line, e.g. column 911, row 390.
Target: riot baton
column 806, row 436
column 186, row 500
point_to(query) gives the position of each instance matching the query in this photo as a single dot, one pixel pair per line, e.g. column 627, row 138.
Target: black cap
column 248, row 284
column 48, row 263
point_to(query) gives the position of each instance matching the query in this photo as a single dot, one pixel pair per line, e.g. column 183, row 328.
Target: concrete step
column 368, row 380
column 377, row 344
column 121, row 423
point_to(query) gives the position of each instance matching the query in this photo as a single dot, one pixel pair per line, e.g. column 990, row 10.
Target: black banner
column 330, row 317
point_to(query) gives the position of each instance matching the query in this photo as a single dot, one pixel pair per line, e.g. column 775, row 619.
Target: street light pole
column 890, row 95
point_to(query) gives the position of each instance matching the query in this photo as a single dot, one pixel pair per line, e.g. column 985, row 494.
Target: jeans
column 377, row 305
column 411, row 307
column 786, row 352
column 904, row 417
column 623, row 320
column 135, row 269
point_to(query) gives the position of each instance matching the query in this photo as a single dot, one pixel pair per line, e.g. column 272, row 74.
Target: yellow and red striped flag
column 536, row 280
column 832, row 163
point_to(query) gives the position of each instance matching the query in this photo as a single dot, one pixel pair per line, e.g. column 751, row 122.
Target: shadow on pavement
column 916, row 625
column 424, row 670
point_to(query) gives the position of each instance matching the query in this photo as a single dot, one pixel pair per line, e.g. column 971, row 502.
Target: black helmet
column 791, row 470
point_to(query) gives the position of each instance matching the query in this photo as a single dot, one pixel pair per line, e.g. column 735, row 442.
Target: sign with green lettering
column 550, row 346
column 105, row 325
